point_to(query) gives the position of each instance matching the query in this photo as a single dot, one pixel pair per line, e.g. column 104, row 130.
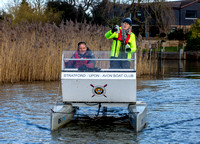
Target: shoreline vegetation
column 32, row 52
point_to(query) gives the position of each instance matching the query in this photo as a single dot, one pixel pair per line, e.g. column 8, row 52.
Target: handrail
column 102, row 70
column 99, row 59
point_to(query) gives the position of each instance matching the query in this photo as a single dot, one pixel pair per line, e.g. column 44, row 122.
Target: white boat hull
column 61, row 115
column 101, row 86
column 82, row 87
column 138, row 115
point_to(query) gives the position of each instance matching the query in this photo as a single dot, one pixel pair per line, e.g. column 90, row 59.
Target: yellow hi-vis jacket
column 117, row 44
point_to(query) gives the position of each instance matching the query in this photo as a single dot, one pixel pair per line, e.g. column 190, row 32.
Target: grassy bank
column 32, row 52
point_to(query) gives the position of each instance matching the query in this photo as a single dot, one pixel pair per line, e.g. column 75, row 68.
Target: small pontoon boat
column 100, row 87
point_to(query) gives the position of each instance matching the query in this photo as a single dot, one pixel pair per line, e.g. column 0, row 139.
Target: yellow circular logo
column 98, row 90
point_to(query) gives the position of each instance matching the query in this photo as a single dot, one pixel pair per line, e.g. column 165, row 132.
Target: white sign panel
column 108, row 75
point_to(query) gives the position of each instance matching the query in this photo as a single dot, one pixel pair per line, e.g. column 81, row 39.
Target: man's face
column 125, row 26
column 82, row 48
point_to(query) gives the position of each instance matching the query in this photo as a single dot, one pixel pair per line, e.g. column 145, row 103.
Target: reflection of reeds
column 31, row 52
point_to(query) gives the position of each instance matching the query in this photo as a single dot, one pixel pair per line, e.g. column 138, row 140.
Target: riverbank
column 179, row 55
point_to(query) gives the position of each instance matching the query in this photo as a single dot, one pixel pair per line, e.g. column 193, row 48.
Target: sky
column 2, row 3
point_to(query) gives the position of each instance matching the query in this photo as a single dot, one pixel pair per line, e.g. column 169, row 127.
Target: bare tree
column 156, row 12
column 163, row 14
column 102, row 12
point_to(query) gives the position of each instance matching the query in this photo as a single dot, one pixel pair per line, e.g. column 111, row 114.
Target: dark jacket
column 78, row 63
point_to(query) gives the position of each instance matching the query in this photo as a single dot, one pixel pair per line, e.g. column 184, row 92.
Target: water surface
column 173, row 102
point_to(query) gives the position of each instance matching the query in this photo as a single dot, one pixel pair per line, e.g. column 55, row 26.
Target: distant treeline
column 157, row 14
column 58, row 11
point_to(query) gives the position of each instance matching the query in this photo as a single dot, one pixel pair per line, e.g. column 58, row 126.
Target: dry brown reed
column 32, row 52
column 147, row 63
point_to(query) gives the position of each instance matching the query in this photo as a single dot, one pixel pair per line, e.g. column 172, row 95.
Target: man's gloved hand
column 127, row 48
column 115, row 28
column 83, row 67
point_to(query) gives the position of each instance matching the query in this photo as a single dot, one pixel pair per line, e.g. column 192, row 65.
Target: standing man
column 124, row 43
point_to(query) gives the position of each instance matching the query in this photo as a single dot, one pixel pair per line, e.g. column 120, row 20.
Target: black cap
column 128, row 20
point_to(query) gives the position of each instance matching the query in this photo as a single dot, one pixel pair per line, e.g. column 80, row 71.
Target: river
column 173, row 116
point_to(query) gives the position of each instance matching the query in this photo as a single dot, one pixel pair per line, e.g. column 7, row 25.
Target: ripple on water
column 173, row 115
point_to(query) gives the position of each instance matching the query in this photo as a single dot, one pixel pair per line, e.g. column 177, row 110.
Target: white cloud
column 2, row 3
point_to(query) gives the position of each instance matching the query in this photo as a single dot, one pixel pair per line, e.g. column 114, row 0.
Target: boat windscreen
column 98, row 61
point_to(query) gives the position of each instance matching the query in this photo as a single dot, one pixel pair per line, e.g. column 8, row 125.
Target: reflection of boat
column 100, row 88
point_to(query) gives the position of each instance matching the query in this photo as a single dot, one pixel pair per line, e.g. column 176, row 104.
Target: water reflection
column 173, row 112
column 180, row 68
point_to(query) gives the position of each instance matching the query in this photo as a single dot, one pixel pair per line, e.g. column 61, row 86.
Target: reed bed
column 32, row 52
column 147, row 63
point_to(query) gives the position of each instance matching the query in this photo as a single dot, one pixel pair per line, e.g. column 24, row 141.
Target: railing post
column 62, row 67
column 180, row 54
column 135, row 61
column 150, row 58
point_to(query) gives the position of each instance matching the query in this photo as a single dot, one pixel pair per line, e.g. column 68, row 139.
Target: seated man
column 83, row 52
